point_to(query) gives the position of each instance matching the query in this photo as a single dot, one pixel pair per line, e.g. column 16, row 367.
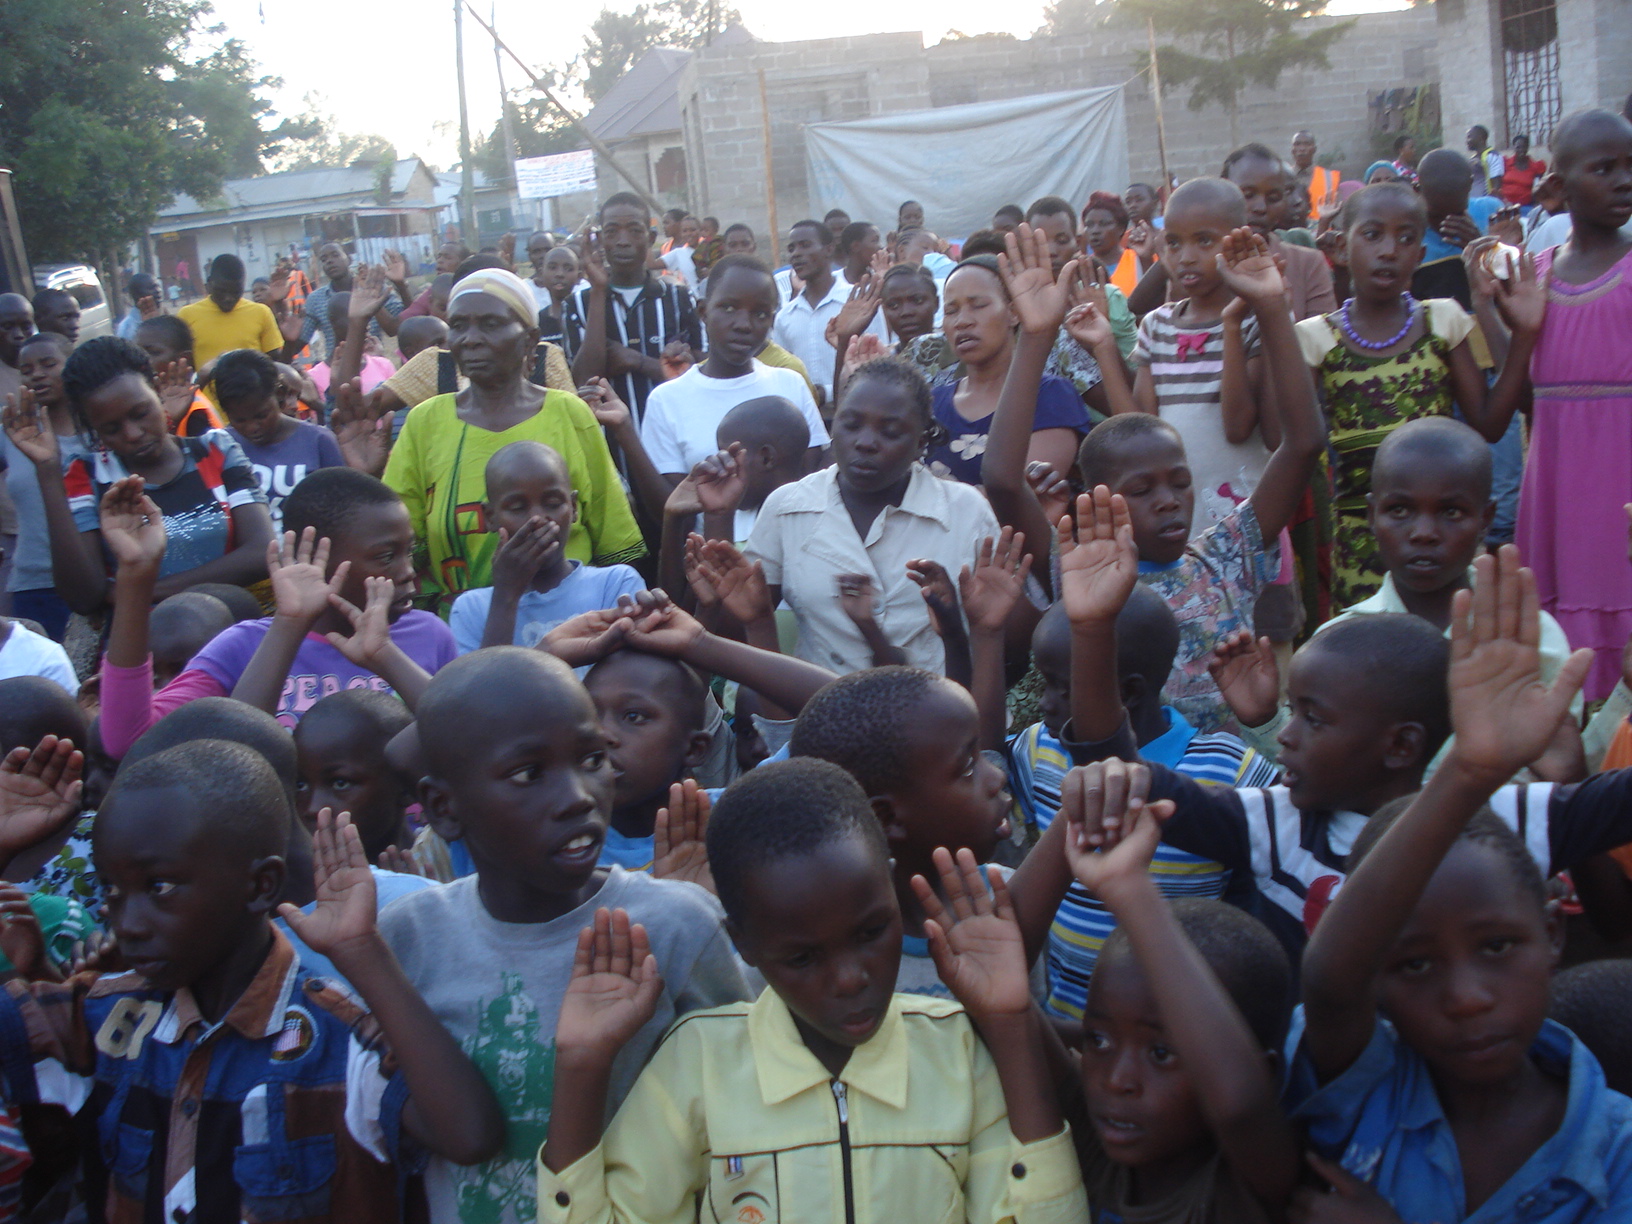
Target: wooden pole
column 1156, row 95
column 593, row 140
column 468, row 232
column 770, row 173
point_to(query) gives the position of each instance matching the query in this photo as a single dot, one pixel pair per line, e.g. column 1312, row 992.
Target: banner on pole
column 539, row 178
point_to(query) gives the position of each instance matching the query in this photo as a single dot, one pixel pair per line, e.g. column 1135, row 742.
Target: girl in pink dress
column 1578, row 475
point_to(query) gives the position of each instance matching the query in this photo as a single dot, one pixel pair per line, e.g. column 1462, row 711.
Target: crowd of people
column 1119, row 717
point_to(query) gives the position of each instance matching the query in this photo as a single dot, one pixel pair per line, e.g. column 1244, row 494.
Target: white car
column 95, row 316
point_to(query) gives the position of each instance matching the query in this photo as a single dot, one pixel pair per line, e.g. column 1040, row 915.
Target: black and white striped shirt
column 660, row 314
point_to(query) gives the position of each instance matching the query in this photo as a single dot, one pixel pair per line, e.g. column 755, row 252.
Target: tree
column 538, row 129
column 313, row 140
column 1234, row 44
column 616, row 40
column 108, row 109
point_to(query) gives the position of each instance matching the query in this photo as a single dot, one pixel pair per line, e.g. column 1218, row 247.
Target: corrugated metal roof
column 645, row 99
column 273, row 194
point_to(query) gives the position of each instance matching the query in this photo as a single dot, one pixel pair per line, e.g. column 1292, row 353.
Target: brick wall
column 847, row 78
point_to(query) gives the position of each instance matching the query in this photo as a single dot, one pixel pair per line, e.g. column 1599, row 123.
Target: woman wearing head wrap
column 437, row 464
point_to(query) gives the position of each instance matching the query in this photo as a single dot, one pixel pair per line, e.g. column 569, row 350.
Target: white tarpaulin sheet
column 963, row 162
column 539, row 178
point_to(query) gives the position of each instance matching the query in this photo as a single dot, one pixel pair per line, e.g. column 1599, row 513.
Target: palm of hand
column 686, row 860
column 344, row 910
column 30, row 811
column 133, row 537
column 989, row 595
column 1502, row 715
column 300, row 589
column 1095, row 579
column 720, row 494
column 1037, row 300
column 743, row 591
column 1254, row 277
column 600, row 1010
column 988, row 963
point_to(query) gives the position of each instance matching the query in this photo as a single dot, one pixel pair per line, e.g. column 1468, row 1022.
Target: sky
column 386, row 68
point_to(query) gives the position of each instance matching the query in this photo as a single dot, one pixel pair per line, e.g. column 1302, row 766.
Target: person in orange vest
column 1317, row 185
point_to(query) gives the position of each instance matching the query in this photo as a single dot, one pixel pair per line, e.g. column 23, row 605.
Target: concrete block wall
column 847, row 78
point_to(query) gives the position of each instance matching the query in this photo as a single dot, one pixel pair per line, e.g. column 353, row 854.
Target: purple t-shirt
column 1058, row 407
column 283, row 465
column 319, row 669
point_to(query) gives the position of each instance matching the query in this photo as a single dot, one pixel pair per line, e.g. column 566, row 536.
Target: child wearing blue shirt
column 531, row 504
column 1439, row 1083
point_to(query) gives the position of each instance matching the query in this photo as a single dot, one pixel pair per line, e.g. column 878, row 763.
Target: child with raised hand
column 344, row 579
column 1385, row 358
column 882, row 1106
column 1105, row 616
column 1213, row 580
column 536, row 586
column 514, row 765
column 282, row 1086
column 1425, row 987
column 1182, row 1029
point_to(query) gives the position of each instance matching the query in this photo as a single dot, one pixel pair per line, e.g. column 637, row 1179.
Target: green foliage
column 1231, row 45
column 108, row 108
column 616, row 40
column 538, row 129
column 311, row 141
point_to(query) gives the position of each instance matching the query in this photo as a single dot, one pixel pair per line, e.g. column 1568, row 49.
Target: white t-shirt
column 682, row 262
column 683, row 415
column 26, row 653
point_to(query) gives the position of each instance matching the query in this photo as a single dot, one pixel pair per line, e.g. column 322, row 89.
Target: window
column 1530, row 68
column 86, row 294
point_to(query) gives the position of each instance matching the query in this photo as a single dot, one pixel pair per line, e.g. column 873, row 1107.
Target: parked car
column 95, row 315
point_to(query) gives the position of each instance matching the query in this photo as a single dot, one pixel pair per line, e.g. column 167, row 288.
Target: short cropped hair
column 1594, row 1001
column 739, row 225
column 223, row 718
column 1354, row 208
column 233, row 787
column 1484, row 829
column 726, row 263
column 630, row 199
column 57, row 340
column 1100, row 453
column 981, row 242
column 1010, row 210
column 1404, row 660
column 778, row 811
column 904, row 377
column 1051, row 205
column 383, row 714
column 33, row 707
column 240, row 602
column 860, row 722
column 94, row 365
column 1252, row 148
column 1247, row 959
column 244, row 376
column 327, row 498
column 854, row 233
column 171, row 330
column 227, row 267
column 823, row 234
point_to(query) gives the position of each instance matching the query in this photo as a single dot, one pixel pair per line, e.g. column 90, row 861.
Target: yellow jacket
column 733, row 1107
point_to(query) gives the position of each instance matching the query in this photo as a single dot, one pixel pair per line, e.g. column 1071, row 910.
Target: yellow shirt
column 247, row 325
column 734, row 1107
column 776, row 355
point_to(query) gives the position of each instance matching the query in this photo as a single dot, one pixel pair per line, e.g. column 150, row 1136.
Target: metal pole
column 770, row 174
column 1156, row 95
column 593, row 140
column 467, row 184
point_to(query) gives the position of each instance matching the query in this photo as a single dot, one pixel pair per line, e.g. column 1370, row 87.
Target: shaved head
column 1218, row 197
column 1444, row 443
column 1584, row 130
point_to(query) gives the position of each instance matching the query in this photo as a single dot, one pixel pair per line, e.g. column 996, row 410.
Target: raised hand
column 1099, row 562
column 20, row 936
column 610, row 411
column 973, row 937
column 1245, row 670
column 679, row 847
column 361, row 428
column 720, row 480
column 507, row 250
column 29, row 429
column 675, row 359
column 39, row 793
column 856, row 597
column 175, row 384
column 98, row 952
column 343, row 915
column 1090, row 326
column 1502, row 714
column 739, row 584
column 1521, row 296
column 1112, row 832
column 1141, row 240
column 522, row 555
column 613, row 991
column 1052, row 490
column 370, row 624
column 593, row 264
column 403, row 862
column 666, row 629
column 132, row 525
column 1038, row 298
column 300, row 584
column 394, row 265
column 369, row 291
column 858, row 351
column 935, row 585
column 1349, row 1201
column 990, row 590
column 857, row 314
column 588, row 637
column 1250, row 270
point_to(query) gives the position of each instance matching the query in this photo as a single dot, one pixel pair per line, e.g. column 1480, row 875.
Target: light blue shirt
column 388, row 886
column 1383, row 1121
column 588, row 588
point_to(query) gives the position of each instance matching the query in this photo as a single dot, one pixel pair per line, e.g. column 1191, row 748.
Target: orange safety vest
column 1323, row 190
column 1619, row 756
column 1126, row 275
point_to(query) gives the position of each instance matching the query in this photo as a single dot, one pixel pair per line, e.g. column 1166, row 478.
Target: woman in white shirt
column 850, row 529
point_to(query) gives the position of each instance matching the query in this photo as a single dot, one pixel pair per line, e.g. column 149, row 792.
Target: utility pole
column 511, row 149
column 594, row 141
column 467, row 185
column 1156, row 96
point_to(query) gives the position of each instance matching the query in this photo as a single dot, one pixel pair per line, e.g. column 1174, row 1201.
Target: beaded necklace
column 1377, row 345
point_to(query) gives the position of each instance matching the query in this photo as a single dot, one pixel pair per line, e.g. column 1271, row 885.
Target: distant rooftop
column 276, row 195
column 646, row 99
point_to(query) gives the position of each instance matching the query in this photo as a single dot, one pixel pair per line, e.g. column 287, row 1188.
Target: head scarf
column 1376, row 166
column 506, row 286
